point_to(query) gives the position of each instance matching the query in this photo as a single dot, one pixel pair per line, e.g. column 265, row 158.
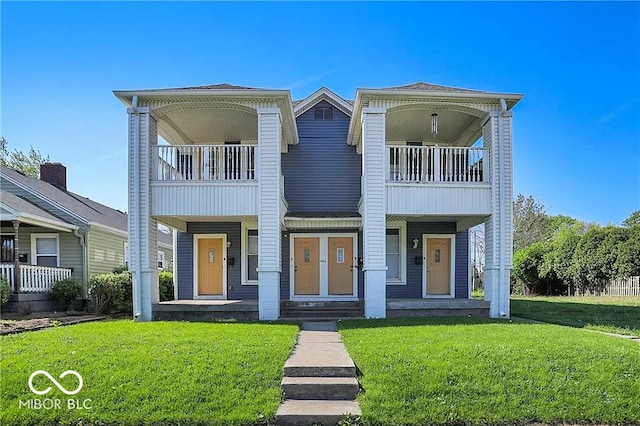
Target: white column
column 374, row 212
column 499, row 226
column 269, row 234
column 143, row 229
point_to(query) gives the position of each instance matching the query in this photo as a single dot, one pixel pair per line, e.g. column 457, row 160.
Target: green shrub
column 5, row 290
column 111, row 292
column 166, row 286
column 65, row 291
column 120, row 269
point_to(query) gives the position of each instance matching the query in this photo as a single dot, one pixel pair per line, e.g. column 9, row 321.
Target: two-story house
column 323, row 199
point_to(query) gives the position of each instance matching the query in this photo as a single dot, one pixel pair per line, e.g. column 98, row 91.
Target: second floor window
column 324, row 113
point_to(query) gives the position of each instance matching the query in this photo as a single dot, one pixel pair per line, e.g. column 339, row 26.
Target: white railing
column 33, row 278
column 435, row 164
column 6, row 271
column 204, row 162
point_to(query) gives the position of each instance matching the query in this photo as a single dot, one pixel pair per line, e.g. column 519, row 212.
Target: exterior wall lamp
column 415, row 243
column 434, row 124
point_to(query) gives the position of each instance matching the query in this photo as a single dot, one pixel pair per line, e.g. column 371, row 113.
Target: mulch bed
column 15, row 323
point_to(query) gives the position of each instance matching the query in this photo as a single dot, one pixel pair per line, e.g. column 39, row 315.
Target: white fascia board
column 43, row 198
column 435, row 94
column 126, row 96
column 108, row 228
column 46, row 223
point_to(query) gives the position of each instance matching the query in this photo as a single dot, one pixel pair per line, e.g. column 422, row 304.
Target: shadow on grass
column 579, row 315
column 420, row 321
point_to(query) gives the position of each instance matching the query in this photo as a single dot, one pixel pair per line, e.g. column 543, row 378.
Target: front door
column 307, row 266
column 438, row 265
column 323, row 266
column 211, row 260
column 340, row 257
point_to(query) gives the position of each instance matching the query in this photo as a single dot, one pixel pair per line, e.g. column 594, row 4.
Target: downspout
column 503, row 109
column 85, row 257
column 137, row 306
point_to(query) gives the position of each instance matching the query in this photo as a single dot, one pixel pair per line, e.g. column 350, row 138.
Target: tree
column 530, row 221
column 528, row 268
column 29, row 164
column 632, row 220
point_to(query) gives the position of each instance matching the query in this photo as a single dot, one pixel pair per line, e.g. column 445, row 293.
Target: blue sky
column 576, row 132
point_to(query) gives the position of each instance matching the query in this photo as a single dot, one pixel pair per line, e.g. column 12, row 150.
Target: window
column 45, row 250
column 160, row 259
column 324, row 113
column 393, row 255
column 252, row 255
column 7, row 248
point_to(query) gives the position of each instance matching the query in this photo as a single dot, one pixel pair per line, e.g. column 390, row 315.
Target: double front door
column 323, row 266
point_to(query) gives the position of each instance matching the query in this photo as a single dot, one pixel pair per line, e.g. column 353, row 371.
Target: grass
column 149, row 373
column 481, row 371
column 619, row 315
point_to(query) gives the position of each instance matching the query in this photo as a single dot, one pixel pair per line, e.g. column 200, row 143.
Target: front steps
column 321, row 311
column 319, row 383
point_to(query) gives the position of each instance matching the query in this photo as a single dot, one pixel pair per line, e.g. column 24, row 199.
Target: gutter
column 85, row 258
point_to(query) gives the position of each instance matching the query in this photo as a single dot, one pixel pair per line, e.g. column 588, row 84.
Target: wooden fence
column 628, row 287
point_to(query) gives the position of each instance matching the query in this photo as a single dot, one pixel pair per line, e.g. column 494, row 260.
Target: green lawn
column 482, row 371
column 149, row 373
column 611, row 314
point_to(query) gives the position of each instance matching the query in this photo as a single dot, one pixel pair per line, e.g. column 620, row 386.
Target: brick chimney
column 55, row 174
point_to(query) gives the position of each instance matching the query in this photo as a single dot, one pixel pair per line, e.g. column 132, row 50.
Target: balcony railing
column 33, row 278
column 204, row 163
column 435, row 164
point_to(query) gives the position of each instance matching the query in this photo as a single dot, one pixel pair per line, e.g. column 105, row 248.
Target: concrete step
column 319, row 359
column 315, row 412
column 309, row 388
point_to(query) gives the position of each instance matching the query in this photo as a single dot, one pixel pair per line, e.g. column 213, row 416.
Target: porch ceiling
column 414, row 125
column 204, row 125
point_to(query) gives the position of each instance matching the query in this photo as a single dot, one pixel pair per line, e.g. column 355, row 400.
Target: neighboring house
column 49, row 233
column 323, row 199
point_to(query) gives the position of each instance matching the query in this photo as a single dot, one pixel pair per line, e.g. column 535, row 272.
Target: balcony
column 445, row 181
column 204, row 180
column 33, row 278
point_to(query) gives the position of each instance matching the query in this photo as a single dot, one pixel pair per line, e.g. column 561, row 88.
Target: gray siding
column 413, row 288
column 184, row 277
column 70, row 249
column 322, row 173
column 106, row 251
column 285, row 276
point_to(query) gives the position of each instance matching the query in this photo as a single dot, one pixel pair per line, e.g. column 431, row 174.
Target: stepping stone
column 334, row 388
column 313, row 412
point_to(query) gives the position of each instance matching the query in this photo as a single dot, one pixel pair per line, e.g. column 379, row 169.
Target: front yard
column 147, row 373
column 481, row 371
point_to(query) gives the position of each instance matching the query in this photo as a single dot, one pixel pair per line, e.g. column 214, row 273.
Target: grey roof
column 432, row 87
column 221, row 86
column 20, row 205
column 89, row 210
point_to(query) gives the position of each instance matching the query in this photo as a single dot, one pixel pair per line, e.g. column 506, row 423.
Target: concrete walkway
column 319, row 383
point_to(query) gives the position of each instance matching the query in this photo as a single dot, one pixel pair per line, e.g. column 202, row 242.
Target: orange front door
column 306, row 259
column 210, row 267
column 340, row 259
column 438, row 266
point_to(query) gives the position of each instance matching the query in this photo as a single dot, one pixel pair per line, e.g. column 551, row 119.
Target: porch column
column 499, row 226
column 143, row 229
column 269, row 235
column 374, row 212
column 16, row 261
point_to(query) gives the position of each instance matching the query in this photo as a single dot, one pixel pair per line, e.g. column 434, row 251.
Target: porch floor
column 247, row 309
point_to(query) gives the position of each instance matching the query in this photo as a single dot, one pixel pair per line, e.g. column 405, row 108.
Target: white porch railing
column 204, row 162
column 435, row 164
column 33, row 278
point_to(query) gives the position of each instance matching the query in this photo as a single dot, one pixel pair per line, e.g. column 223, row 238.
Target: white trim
column 197, row 237
column 108, row 228
column 34, row 254
column 402, row 233
column 292, row 223
column 244, row 255
column 452, row 274
column 322, row 94
column 324, row 267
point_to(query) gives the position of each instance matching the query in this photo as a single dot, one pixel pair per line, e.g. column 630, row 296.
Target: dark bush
column 66, row 291
column 166, row 286
column 5, row 290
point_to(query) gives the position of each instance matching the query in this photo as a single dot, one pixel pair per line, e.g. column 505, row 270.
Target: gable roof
column 83, row 208
column 432, row 88
column 24, row 211
column 221, row 86
column 322, row 94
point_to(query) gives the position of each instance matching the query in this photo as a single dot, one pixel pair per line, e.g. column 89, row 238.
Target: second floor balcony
column 437, row 180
